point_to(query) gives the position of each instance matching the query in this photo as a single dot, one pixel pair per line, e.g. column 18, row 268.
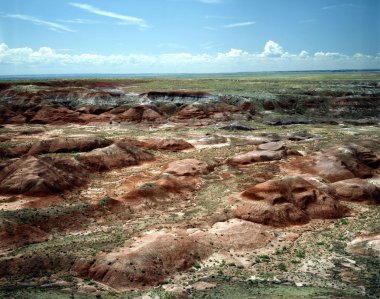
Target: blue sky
column 149, row 36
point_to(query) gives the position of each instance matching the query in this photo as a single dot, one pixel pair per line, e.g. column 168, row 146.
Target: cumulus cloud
column 125, row 20
column 242, row 24
column 272, row 49
column 271, row 58
column 51, row 25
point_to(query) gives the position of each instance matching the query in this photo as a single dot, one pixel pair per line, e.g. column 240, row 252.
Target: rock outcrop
column 117, row 155
column 286, row 201
column 66, row 145
column 41, row 176
column 145, row 261
column 357, row 190
column 337, row 163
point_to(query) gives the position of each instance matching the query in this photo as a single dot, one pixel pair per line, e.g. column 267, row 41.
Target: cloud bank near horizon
column 273, row 57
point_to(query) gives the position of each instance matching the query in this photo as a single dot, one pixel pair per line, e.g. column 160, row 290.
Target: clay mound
column 191, row 112
column 272, row 146
column 299, row 136
column 57, row 115
column 212, row 139
column 162, row 188
column 180, row 94
column 235, row 234
column 14, row 235
column 36, row 176
column 118, row 155
column 287, row 201
column 140, row 114
column 65, row 145
column 180, row 176
column 255, row 156
column 167, row 144
column 361, row 161
column 236, row 127
column 145, row 261
column 6, row 114
column 337, row 163
column 269, row 151
column 15, row 151
column 188, row 167
column 368, row 244
column 356, row 190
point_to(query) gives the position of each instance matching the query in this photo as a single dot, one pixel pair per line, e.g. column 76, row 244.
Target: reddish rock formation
column 188, row 167
column 180, row 94
column 15, row 151
column 286, row 201
column 180, row 176
column 139, row 114
column 118, row 155
column 337, row 163
column 163, row 188
column 41, row 176
column 191, row 112
column 168, row 144
column 272, row 146
column 64, row 145
column 356, row 190
column 145, row 261
column 254, row 157
column 235, row 234
column 212, row 139
column 14, row 235
column 57, row 115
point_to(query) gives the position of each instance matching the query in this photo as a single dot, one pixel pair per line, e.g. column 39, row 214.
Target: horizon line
column 63, row 75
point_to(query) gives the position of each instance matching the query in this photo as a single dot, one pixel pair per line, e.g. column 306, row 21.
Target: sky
column 187, row 36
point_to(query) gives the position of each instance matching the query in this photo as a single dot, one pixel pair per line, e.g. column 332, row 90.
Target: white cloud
column 338, row 6
column 126, row 20
column 80, row 21
column 243, row 24
column 51, row 25
column 272, row 58
column 303, row 54
column 272, row 49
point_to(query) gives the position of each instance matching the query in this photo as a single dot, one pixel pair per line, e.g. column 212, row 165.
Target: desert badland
column 234, row 186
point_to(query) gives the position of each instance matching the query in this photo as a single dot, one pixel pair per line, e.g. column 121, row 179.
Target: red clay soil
column 162, row 188
column 14, row 235
column 57, row 115
column 286, row 201
column 149, row 259
column 145, row 261
column 139, row 114
column 118, row 155
column 167, row 144
column 41, row 176
column 357, row 190
column 337, row 163
column 181, row 94
column 15, row 151
column 188, row 167
column 66, row 145
column 234, row 234
column 180, row 176
column 255, row 157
